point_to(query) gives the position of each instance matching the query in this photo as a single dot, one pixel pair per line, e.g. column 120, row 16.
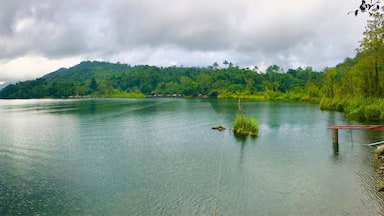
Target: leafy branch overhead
column 371, row 7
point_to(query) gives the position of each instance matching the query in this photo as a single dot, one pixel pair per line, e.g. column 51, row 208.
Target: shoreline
column 380, row 159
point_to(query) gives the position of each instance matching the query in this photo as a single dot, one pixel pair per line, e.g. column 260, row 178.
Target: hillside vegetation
column 356, row 86
column 102, row 79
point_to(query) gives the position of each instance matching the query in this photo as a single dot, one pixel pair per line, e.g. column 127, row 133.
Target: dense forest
column 354, row 86
column 103, row 79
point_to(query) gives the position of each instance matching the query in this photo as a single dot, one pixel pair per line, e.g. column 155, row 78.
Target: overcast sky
column 40, row 36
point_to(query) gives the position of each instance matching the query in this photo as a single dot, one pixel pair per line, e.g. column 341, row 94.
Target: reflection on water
column 335, row 150
column 160, row 157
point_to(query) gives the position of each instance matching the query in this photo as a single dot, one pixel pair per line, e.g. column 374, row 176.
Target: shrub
column 245, row 127
column 363, row 108
column 372, row 112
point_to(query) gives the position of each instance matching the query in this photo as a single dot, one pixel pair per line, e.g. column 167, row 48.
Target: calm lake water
column 161, row 157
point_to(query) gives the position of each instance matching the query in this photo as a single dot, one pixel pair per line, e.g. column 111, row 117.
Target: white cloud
column 31, row 67
column 289, row 33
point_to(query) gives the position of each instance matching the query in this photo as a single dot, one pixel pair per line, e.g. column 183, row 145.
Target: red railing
column 358, row 127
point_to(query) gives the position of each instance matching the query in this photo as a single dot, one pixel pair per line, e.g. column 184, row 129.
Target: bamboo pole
column 335, row 136
column 241, row 113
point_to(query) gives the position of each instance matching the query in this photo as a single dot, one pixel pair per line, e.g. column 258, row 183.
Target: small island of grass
column 244, row 126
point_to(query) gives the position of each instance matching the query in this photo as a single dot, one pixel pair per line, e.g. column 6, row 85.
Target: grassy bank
column 359, row 108
column 114, row 93
column 270, row 96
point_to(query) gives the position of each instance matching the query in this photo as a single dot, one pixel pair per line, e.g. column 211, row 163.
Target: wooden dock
column 358, row 127
column 336, row 128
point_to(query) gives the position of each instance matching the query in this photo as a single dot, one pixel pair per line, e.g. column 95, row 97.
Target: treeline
column 356, row 86
column 102, row 79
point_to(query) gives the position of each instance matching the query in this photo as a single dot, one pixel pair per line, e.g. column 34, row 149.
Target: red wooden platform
column 358, row 127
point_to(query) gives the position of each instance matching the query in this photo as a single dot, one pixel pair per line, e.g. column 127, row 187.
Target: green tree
column 215, row 65
column 372, row 47
column 188, row 86
column 204, row 81
column 226, row 63
column 93, row 86
column 330, row 82
column 273, row 72
column 249, row 84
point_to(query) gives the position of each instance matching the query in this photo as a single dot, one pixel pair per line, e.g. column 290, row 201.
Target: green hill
column 83, row 71
column 103, row 79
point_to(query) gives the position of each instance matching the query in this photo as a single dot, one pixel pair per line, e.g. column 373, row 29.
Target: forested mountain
column 103, row 79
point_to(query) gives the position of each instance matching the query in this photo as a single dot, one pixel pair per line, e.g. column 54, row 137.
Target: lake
column 161, row 157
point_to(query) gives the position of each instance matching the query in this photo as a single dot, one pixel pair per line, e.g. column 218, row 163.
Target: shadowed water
column 160, row 157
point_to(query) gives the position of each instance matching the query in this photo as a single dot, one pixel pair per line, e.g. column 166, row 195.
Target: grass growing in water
column 245, row 127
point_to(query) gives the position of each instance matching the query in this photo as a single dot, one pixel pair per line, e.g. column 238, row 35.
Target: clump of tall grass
column 245, row 127
column 362, row 108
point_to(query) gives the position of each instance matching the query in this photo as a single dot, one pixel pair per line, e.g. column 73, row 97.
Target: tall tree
column 329, row 82
column 226, row 63
column 93, row 86
column 372, row 47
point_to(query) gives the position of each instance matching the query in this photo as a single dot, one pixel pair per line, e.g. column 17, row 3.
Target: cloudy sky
column 40, row 36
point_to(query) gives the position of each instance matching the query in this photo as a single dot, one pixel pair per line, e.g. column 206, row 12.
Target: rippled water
column 160, row 157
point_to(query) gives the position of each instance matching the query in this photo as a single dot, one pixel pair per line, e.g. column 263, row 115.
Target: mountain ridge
column 104, row 79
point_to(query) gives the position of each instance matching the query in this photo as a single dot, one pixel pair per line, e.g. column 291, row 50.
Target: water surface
column 160, row 157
